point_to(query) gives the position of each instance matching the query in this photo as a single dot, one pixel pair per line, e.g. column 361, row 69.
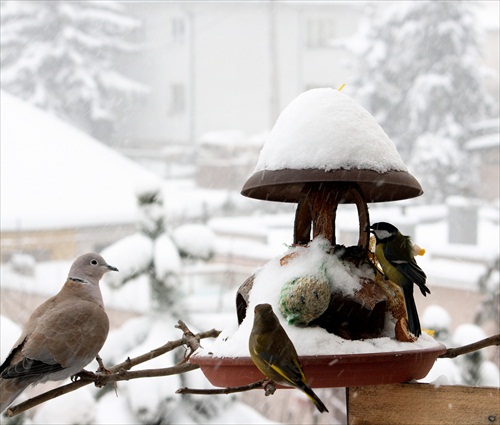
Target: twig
column 458, row 351
column 190, row 339
column 169, row 346
column 103, row 379
column 119, row 372
column 266, row 384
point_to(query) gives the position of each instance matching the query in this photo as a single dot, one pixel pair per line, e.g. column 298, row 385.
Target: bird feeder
column 326, row 150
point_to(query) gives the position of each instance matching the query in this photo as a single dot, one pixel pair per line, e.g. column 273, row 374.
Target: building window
column 178, row 30
column 320, row 33
column 177, row 99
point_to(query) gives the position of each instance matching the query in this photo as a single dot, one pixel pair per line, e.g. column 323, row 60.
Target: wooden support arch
column 317, row 211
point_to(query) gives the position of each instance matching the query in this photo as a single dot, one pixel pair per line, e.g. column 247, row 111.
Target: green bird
column 394, row 252
column 275, row 356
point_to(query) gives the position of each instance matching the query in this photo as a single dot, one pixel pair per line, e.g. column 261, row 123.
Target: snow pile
column 166, row 257
column 475, row 369
column 467, row 333
column 444, row 372
column 436, row 317
column 325, row 129
column 130, row 255
column 195, row 240
column 233, row 342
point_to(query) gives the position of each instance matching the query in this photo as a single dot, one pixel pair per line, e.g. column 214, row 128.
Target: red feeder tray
column 343, row 370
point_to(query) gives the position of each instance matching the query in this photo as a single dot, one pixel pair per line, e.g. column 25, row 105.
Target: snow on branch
column 120, row 372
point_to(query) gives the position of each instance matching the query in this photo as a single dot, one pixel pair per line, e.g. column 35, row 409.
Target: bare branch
column 265, row 384
column 458, row 351
column 103, row 379
column 169, row 346
column 120, row 372
column 188, row 338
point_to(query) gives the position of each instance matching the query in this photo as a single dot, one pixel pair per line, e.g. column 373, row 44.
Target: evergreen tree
column 150, row 259
column 475, row 368
column 418, row 72
column 489, row 285
column 59, row 56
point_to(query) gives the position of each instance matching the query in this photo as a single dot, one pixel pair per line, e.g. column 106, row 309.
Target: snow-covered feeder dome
column 325, row 136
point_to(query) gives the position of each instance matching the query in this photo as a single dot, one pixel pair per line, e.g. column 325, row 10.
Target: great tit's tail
column 423, row 288
column 411, row 310
column 314, row 398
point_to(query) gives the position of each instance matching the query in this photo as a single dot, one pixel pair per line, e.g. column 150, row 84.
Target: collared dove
column 63, row 335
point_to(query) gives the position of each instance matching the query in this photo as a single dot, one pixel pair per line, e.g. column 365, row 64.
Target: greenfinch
column 394, row 252
column 273, row 353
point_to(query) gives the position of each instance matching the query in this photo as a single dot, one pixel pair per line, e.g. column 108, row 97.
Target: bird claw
column 83, row 374
column 269, row 387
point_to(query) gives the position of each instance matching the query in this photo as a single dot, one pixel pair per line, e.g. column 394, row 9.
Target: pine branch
column 458, row 351
column 120, row 372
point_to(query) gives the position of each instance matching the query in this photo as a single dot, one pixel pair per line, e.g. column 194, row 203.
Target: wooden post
column 408, row 404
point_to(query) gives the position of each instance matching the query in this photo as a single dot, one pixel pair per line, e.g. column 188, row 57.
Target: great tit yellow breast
column 389, row 270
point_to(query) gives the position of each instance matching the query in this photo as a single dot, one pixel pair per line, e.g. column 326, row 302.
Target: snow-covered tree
column 418, row 71
column 489, row 285
column 60, row 55
column 475, row 369
column 150, row 261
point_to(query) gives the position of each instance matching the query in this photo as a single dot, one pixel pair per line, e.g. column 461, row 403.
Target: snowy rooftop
column 325, row 129
column 54, row 175
column 488, row 141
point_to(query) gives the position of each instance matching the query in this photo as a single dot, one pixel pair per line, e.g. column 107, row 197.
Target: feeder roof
column 324, row 136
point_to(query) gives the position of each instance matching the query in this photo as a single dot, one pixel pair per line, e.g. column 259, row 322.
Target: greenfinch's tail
column 314, row 398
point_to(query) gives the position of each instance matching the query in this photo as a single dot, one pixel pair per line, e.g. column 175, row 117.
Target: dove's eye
column 94, row 262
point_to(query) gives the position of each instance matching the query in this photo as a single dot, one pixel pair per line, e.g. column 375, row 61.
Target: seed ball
column 304, row 299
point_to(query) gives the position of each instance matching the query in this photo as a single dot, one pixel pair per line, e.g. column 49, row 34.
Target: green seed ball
column 304, row 299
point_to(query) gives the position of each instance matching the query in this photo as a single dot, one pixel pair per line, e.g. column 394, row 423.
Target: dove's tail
column 10, row 390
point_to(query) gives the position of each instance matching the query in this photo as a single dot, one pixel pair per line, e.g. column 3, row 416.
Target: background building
column 216, row 66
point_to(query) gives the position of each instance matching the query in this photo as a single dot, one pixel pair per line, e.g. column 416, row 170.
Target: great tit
column 273, row 353
column 394, row 252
